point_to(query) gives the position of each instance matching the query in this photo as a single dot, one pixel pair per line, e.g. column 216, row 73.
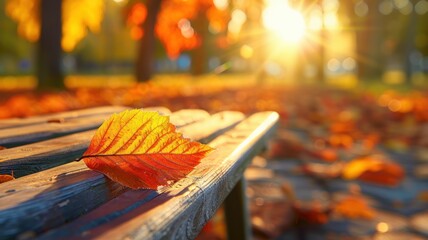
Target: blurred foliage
column 10, row 44
column 77, row 17
column 177, row 20
column 115, row 38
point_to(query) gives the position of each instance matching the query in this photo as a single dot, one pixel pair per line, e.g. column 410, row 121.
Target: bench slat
column 197, row 131
column 16, row 136
column 31, row 158
column 19, row 122
column 60, row 194
column 186, row 116
column 12, row 137
column 182, row 210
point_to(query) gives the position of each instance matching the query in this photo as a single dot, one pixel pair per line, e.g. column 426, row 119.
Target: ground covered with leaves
column 343, row 165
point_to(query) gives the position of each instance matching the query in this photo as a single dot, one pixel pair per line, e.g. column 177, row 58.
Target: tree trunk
column 375, row 54
column 409, row 44
column 368, row 39
column 145, row 59
column 320, row 56
column 49, row 72
column 199, row 54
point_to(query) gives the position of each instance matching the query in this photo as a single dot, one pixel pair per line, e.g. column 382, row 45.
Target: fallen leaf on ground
column 311, row 213
column 354, row 207
column 142, row 149
column 6, row 178
column 375, row 170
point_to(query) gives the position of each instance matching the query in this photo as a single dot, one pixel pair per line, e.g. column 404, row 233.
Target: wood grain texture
column 52, row 197
column 180, row 211
column 31, row 158
column 218, row 120
column 161, row 110
column 186, row 115
column 19, row 122
column 35, row 157
column 52, row 127
column 12, row 137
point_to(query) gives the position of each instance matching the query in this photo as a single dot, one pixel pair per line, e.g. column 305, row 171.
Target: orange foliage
column 137, row 15
column 354, row 207
column 218, row 18
column 77, row 17
column 174, row 23
column 341, row 140
column 375, row 170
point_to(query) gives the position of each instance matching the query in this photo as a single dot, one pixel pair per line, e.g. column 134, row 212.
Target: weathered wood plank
column 16, row 136
column 31, row 158
column 186, row 115
column 52, row 197
column 12, row 137
column 44, row 199
column 161, row 110
column 182, row 210
column 220, row 119
column 19, row 122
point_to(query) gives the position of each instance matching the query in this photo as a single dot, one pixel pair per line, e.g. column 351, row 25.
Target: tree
column 179, row 25
column 57, row 25
column 144, row 60
column 49, row 52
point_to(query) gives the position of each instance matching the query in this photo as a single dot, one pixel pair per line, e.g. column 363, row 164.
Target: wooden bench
column 55, row 197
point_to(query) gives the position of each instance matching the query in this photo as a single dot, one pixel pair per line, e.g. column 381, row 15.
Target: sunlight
column 284, row 21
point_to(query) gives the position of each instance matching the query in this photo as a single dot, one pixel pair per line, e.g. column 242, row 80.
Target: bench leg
column 236, row 212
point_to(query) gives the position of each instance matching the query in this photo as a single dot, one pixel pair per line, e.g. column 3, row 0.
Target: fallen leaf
column 325, row 171
column 354, row 207
column 375, row 170
column 356, row 167
column 141, row 149
column 6, row 178
column 56, row 120
column 311, row 212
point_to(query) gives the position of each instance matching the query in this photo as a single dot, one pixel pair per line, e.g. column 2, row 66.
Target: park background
column 349, row 79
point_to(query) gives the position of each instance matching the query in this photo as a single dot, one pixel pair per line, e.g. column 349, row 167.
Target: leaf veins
column 142, row 149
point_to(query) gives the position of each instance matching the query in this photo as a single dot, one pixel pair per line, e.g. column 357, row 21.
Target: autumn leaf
column 6, row 178
column 142, row 149
column 354, row 207
column 358, row 166
column 374, row 169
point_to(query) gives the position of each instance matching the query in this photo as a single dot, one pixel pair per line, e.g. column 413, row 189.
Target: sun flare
column 286, row 22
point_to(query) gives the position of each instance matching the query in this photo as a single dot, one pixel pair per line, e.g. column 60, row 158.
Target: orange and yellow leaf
column 142, row 150
column 6, row 178
column 374, row 169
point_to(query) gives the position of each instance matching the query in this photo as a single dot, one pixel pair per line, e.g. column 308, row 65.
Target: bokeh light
column 421, row 7
column 284, row 21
